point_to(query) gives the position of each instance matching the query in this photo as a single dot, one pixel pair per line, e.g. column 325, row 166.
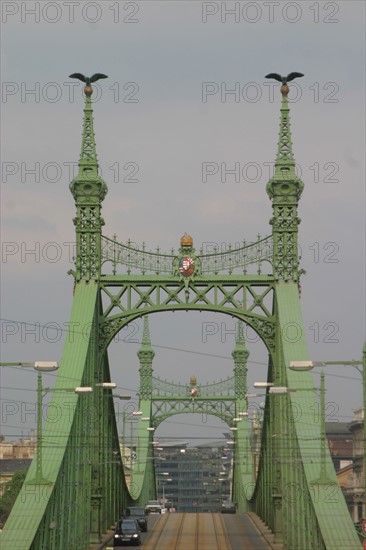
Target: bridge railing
column 164, row 388
column 225, row 258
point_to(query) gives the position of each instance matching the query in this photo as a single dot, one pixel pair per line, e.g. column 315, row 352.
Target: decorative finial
column 186, row 240
column 88, row 90
column 284, row 80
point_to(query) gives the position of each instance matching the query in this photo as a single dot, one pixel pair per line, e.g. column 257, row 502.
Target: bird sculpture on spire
column 284, row 80
column 88, row 90
column 88, row 79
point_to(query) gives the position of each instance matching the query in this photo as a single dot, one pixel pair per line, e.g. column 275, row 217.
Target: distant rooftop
column 12, row 465
column 337, row 428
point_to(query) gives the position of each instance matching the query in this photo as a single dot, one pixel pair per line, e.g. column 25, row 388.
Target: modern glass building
column 194, row 479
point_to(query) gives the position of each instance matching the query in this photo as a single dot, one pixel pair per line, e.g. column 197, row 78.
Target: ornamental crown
column 186, row 240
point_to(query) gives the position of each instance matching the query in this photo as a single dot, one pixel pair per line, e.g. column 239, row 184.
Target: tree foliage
column 12, row 489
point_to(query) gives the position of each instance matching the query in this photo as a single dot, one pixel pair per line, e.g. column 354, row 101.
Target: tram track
column 188, row 532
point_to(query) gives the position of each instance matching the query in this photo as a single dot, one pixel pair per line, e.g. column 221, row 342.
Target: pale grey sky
column 153, row 114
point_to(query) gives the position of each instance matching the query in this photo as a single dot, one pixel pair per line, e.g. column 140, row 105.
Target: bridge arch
column 263, row 326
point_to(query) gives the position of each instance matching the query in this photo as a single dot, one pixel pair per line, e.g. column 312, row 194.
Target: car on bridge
column 127, row 531
column 228, row 507
column 153, row 507
column 139, row 514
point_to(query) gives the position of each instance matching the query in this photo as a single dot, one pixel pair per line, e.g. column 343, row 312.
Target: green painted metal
column 161, row 399
column 243, row 474
column 88, row 190
column 313, row 514
column 81, row 454
column 285, row 190
column 238, row 259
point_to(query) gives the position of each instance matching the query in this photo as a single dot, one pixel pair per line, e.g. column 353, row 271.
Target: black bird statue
column 88, row 90
column 284, row 80
column 88, row 80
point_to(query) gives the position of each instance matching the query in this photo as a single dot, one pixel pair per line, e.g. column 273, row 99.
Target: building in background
column 340, row 443
column 22, row 448
column 352, row 477
column 201, row 476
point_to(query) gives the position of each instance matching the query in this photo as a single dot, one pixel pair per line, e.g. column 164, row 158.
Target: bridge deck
column 205, row 532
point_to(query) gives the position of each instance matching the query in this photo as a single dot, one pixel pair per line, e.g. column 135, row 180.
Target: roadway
column 205, row 531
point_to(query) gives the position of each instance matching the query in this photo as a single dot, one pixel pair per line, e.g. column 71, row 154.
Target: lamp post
column 43, row 366
column 123, row 398
column 131, row 416
column 163, row 481
column 40, row 366
column 308, row 365
column 280, row 390
column 39, row 475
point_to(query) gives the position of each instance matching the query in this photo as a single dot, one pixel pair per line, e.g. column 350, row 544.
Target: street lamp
column 124, row 418
column 280, row 390
column 283, row 390
column 43, row 366
column 301, row 365
column 40, row 366
column 163, row 481
column 308, row 365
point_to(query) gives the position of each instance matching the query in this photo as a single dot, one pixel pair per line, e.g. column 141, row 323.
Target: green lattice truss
column 296, row 491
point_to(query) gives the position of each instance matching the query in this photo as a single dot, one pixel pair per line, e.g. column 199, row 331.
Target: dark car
column 127, row 532
column 139, row 514
column 228, row 507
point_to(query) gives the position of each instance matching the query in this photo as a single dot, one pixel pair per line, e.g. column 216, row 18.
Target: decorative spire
column 88, row 190
column 240, row 352
column 240, row 355
column 284, row 189
column 285, row 161
column 239, row 334
column 146, row 355
column 88, row 162
column 146, row 350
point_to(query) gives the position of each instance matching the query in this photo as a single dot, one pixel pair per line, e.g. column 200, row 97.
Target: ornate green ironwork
column 129, row 297
column 285, row 189
column 146, row 355
column 163, row 388
column 136, row 259
column 168, row 398
column 88, row 190
column 81, row 458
